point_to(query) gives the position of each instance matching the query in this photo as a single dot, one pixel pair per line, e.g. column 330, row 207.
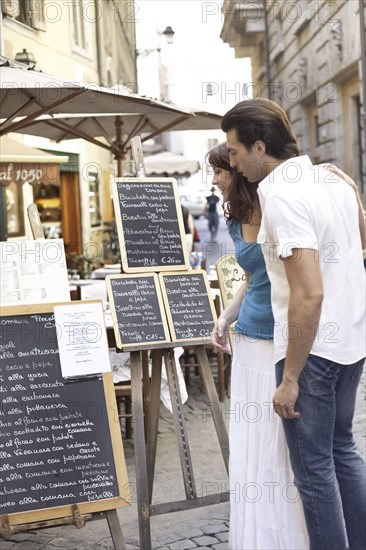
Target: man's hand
column 285, row 398
column 219, row 336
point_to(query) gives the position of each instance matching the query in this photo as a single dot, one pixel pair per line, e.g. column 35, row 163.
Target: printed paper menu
column 82, row 339
column 33, row 272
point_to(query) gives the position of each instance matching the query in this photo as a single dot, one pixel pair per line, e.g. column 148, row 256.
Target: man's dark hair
column 264, row 120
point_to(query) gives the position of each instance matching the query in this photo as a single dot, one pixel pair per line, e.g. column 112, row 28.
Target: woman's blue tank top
column 255, row 317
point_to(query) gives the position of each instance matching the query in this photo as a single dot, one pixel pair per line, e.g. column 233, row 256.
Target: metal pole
column 3, row 216
column 266, row 47
column 363, row 72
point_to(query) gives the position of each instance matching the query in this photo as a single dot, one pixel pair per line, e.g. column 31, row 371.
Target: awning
column 20, row 163
column 169, row 164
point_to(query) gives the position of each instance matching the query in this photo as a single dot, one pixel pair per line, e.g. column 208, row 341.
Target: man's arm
column 306, row 296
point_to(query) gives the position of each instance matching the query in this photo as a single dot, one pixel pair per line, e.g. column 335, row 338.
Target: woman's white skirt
column 265, row 507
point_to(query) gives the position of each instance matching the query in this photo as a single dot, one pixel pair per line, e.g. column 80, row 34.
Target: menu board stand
column 145, row 440
column 145, row 391
column 78, row 519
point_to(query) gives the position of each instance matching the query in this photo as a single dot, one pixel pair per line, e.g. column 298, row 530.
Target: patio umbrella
column 26, row 95
column 117, row 130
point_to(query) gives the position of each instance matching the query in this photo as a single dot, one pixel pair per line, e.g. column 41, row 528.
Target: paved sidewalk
column 200, row 528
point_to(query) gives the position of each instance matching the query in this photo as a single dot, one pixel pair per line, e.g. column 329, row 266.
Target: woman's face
column 222, row 179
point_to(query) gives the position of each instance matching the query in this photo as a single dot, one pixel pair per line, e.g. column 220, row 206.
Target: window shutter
column 37, row 11
column 75, row 22
column 10, row 7
column 83, row 42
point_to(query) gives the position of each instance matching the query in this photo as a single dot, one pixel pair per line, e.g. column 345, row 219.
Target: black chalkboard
column 137, row 310
column 190, row 309
column 57, row 441
column 149, row 224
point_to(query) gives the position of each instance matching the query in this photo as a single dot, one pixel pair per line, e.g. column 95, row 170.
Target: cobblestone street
column 200, row 528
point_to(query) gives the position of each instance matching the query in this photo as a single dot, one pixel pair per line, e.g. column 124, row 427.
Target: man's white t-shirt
column 305, row 206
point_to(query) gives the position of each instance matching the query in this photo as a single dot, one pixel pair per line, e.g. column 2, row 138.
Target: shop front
column 29, row 175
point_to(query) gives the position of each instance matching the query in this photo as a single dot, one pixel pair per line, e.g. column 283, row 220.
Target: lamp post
column 26, row 57
column 169, row 35
column 152, row 76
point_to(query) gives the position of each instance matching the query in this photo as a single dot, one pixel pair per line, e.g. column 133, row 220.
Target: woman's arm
column 227, row 317
column 351, row 183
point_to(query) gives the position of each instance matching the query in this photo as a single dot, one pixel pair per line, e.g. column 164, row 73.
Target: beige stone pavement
column 200, row 528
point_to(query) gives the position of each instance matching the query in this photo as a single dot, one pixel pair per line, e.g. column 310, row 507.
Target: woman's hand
column 219, row 335
column 353, row 185
column 345, row 177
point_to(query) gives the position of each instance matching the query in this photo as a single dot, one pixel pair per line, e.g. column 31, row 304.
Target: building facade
column 307, row 56
column 89, row 41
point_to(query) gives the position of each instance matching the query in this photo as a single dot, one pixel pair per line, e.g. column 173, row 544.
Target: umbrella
column 118, row 129
column 26, row 94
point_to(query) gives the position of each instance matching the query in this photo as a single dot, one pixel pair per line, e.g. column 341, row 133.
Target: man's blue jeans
column 328, row 467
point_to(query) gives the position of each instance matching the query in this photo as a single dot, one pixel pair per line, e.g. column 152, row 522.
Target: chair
column 124, row 405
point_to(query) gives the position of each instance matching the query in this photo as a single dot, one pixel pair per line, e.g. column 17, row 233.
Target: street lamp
column 169, row 35
column 26, row 57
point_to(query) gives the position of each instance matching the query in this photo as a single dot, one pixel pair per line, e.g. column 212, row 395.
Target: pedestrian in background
column 211, row 212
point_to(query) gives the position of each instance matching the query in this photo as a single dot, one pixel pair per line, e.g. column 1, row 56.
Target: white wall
column 197, row 56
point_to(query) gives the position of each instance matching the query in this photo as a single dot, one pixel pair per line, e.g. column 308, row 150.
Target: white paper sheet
column 82, row 339
column 33, row 272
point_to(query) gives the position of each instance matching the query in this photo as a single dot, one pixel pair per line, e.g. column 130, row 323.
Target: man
column 311, row 242
column 211, row 212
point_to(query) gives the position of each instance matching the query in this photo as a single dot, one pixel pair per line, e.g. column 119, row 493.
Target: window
column 212, row 142
column 14, row 210
column 94, row 203
column 317, row 131
column 48, row 200
column 27, row 12
column 78, row 32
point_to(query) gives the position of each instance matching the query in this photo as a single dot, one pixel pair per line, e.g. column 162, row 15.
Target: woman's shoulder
column 233, row 227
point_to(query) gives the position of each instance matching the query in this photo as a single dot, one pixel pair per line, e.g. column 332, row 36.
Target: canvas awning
column 20, row 163
column 169, row 164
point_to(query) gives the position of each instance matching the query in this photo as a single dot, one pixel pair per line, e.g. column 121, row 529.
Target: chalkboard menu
column 137, row 310
column 150, row 225
column 59, row 441
column 190, row 309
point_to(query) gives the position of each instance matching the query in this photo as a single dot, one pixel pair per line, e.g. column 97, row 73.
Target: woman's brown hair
column 243, row 198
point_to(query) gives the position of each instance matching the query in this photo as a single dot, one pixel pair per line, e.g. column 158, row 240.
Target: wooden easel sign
column 60, row 442
column 137, row 310
column 149, row 225
column 189, row 306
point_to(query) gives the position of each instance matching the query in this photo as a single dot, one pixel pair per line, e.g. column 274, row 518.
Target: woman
column 266, row 511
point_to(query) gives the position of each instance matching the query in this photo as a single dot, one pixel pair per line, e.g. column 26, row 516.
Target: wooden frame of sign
column 149, row 225
column 198, row 314
column 147, row 307
column 106, row 457
column 230, row 277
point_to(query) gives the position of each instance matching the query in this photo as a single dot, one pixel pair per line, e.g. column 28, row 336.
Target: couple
column 304, row 290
